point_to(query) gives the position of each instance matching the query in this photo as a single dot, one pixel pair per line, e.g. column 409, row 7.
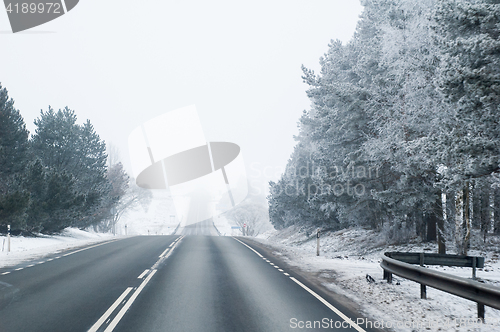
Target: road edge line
column 329, row 305
column 246, row 245
column 313, row 293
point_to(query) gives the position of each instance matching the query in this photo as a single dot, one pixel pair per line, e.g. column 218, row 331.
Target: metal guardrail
column 176, row 228
column 469, row 289
column 438, row 259
column 218, row 232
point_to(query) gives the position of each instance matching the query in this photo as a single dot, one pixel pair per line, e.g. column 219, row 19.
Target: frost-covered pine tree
column 63, row 145
column 14, row 157
column 407, row 110
column 469, row 78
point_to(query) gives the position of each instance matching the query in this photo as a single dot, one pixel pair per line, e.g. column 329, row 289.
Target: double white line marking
column 170, row 247
column 108, row 312
column 127, row 305
column 149, row 273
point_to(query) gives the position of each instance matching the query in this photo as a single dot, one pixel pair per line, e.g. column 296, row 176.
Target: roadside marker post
column 317, row 243
column 8, row 238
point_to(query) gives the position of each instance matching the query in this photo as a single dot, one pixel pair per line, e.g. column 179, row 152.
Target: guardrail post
column 388, row 276
column 423, row 291
column 474, row 264
column 480, row 311
column 423, row 288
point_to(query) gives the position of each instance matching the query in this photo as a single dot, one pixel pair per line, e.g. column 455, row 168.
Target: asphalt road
column 204, row 227
column 163, row 283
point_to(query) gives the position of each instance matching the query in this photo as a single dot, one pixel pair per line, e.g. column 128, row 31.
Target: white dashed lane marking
column 164, row 252
column 127, row 302
column 143, row 274
column 51, row 259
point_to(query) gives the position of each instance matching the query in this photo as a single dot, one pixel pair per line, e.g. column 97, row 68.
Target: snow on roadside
column 29, row 248
column 348, row 256
column 158, row 219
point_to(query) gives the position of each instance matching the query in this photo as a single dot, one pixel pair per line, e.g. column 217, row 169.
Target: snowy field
column 346, row 258
column 29, row 248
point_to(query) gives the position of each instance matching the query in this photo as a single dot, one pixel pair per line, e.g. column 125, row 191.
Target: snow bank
column 347, row 256
column 28, row 248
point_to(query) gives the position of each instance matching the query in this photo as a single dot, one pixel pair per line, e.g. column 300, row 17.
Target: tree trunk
column 485, row 209
column 496, row 220
column 438, row 211
column 459, row 224
column 431, row 226
column 476, row 205
column 450, row 213
column 419, row 223
column 466, row 219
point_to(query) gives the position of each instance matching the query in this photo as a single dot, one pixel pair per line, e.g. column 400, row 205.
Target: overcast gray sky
column 122, row 62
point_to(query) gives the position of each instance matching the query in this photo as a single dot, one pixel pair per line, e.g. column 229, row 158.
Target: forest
column 403, row 131
column 60, row 176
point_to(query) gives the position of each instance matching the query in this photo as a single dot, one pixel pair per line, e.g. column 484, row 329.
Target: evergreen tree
column 469, row 80
column 65, row 147
column 13, row 161
column 415, row 98
column 54, row 201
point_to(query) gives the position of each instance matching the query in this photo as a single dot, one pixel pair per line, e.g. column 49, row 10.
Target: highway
column 164, row 283
column 201, row 228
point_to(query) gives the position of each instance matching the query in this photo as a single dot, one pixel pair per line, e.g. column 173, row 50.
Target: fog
column 121, row 63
